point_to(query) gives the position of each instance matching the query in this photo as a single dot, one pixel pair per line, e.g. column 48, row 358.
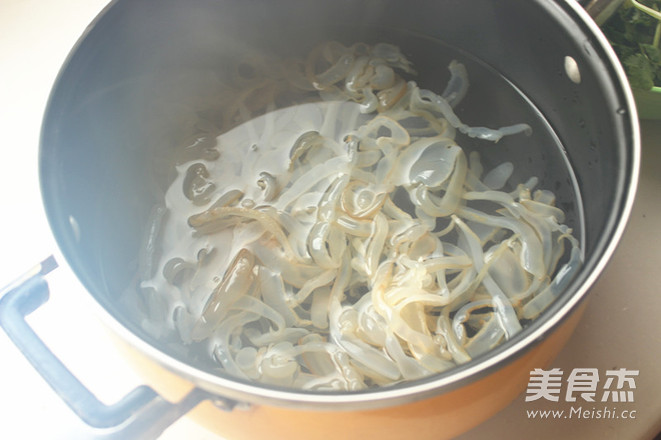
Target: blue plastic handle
column 142, row 413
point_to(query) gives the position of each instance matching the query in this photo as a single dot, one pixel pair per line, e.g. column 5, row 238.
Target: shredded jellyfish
column 349, row 241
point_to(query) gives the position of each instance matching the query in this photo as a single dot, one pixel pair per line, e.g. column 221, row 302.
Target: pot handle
column 142, row 413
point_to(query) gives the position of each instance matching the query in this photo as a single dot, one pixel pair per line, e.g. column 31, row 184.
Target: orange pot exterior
column 444, row 416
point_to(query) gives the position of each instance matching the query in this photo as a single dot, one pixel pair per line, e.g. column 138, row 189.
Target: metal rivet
column 572, row 71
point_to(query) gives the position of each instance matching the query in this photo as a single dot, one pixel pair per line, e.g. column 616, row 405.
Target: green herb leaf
column 652, row 53
column 631, row 32
column 640, row 71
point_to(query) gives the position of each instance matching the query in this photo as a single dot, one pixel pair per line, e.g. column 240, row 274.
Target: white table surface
column 620, row 328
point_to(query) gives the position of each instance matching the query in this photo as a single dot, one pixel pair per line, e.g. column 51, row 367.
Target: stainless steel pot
column 97, row 153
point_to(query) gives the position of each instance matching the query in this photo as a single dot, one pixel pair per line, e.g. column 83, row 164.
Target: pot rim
column 254, row 393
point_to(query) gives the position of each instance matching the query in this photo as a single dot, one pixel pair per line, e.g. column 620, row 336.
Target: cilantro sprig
column 634, row 32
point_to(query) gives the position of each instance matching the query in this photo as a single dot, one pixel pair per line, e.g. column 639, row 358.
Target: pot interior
column 124, row 100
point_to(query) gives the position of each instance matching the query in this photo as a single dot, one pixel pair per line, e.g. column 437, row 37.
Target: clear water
column 492, row 101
